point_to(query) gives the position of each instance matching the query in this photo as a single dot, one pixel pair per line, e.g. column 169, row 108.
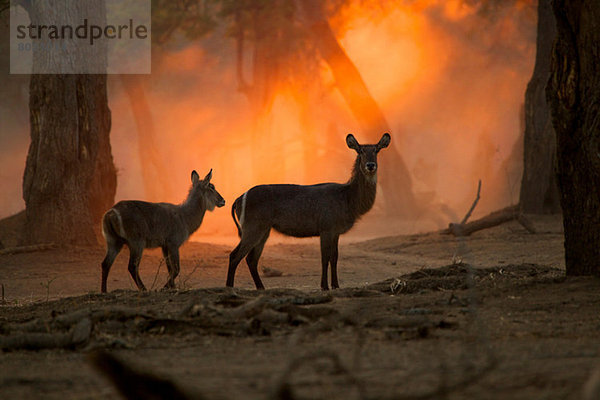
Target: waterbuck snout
column 326, row 210
column 141, row 225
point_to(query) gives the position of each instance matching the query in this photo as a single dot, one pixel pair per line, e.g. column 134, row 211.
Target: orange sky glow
column 449, row 80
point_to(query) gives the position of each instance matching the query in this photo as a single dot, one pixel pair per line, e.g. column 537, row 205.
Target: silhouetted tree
column 539, row 192
column 574, row 96
column 395, row 180
column 154, row 170
column 69, row 179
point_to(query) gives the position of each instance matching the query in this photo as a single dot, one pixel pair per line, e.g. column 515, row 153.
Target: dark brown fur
column 326, row 210
column 141, row 225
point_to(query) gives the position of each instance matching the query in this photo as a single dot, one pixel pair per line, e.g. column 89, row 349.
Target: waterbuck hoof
column 324, row 288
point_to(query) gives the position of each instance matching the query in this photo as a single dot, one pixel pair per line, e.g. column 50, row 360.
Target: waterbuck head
column 367, row 153
column 207, row 191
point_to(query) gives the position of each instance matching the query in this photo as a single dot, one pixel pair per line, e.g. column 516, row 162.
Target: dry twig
column 157, row 272
column 468, row 214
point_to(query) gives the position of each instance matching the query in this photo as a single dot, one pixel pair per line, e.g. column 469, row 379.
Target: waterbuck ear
column 195, row 177
column 352, row 142
column 208, row 176
column 384, row 141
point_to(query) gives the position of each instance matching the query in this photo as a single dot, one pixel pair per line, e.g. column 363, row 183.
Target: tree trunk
column 574, row 96
column 267, row 146
column 539, row 192
column 156, row 182
column 69, row 179
column 395, row 180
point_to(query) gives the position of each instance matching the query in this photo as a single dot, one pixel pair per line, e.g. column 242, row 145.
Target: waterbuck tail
column 112, row 225
column 239, row 228
column 242, row 212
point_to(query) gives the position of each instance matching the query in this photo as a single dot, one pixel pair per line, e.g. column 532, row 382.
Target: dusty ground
column 422, row 316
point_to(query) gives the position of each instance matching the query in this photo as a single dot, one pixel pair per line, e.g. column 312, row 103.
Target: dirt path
column 57, row 273
column 411, row 321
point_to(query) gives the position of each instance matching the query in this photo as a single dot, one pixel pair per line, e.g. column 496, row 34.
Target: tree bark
column 69, row 179
column 395, row 181
column 539, row 191
column 573, row 93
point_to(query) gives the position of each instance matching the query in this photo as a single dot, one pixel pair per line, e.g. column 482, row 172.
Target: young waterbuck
column 326, row 210
column 141, row 225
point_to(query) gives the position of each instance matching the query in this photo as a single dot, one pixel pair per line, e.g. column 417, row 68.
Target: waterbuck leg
column 173, row 257
column 112, row 249
column 233, row 265
column 252, row 261
column 168, row 261
column 326, row 251
column 249, row 240
column 135, row 255
column 333, row 261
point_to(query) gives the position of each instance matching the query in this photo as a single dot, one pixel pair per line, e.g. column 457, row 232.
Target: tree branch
column 468, row 214
column 493, row 219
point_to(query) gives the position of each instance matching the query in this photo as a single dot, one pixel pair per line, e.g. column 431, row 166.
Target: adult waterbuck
column 141, row 225
column 326, row 210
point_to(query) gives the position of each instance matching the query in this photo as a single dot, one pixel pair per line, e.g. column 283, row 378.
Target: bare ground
column 422, row 316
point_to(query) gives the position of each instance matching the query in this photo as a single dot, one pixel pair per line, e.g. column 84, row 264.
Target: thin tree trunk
column 154, row 170
column 267, row 159
column 574, row 96
column 310, row 156
column 395, row 180
column 539, row 192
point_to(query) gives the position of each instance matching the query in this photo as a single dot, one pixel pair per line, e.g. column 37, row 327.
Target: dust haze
column 450, row 77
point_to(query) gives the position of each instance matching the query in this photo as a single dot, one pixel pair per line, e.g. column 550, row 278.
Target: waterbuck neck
column 193, row 209
column 362, row 190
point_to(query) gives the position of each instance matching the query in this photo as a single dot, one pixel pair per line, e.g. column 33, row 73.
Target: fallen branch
column 28, row 249
column 77, row 336
column 256, row 306
column 493, row 219
column 66, row 321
